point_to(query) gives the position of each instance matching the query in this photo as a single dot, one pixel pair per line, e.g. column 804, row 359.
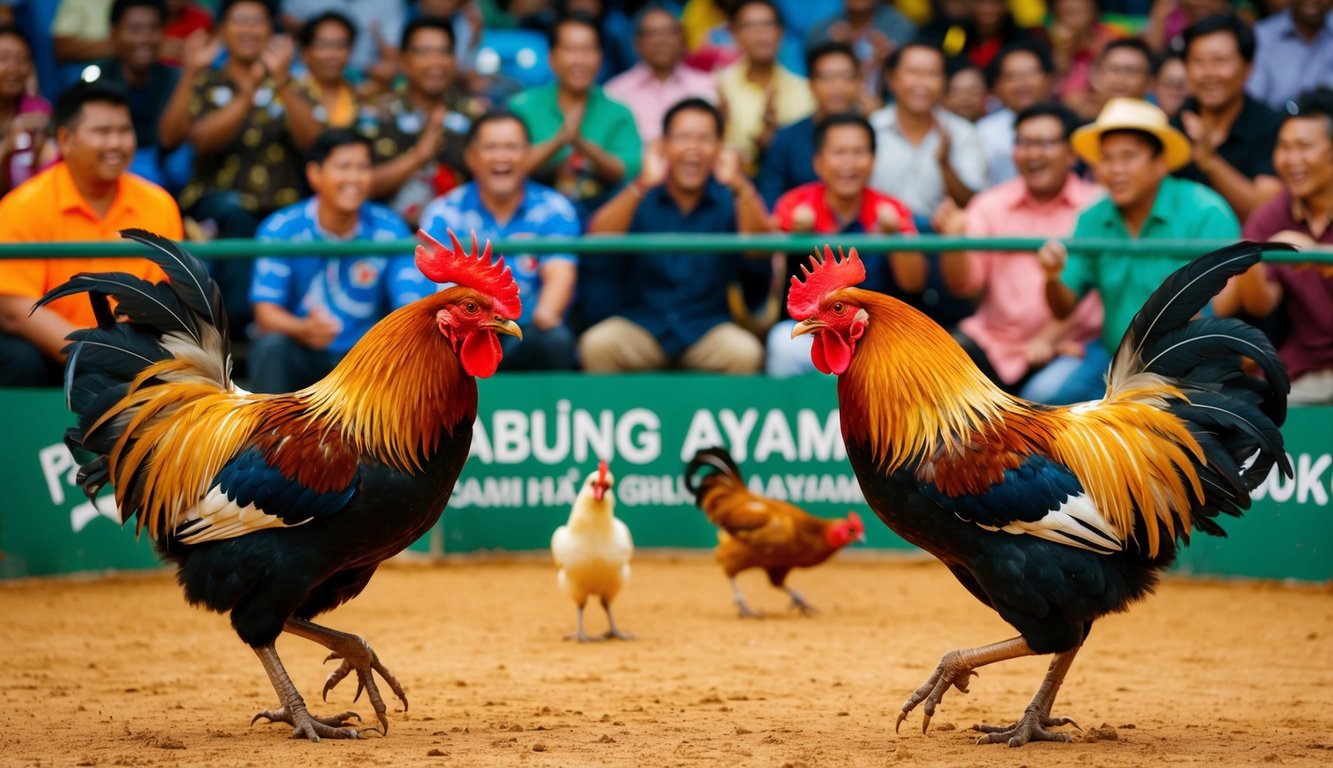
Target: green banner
column 538, row 436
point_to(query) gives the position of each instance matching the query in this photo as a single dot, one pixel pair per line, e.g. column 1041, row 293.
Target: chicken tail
column 181, row 320
column 1234, row 416
column 716, row 459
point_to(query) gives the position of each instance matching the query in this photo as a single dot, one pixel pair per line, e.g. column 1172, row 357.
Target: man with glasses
column 1123, row 70
column 660, row 79
column 1013, row 337
column 671, row 308
column 417, row 131
column 1020, row 76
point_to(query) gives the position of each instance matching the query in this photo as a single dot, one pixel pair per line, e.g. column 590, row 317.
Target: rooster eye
column 839, row 308
column 470, row 307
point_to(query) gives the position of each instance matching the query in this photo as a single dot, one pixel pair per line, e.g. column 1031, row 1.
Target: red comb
column 471, row 270
column 822, row 278
column 602, row 469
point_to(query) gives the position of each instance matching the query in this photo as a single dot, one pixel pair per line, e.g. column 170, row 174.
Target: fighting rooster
column 277, row 508
column 593, row 551
column 1053, row 517
column 757, row 532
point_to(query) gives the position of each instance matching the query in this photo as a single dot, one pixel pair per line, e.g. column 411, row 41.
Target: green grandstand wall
column 538, row 436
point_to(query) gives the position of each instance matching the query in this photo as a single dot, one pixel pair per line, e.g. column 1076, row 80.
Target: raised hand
column 1052, row 256
column 277, row 57
column 653, row 171
column 200, row 51
column 428, row 143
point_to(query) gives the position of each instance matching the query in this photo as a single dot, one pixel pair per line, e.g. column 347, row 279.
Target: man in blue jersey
column 310, row 310
column 502, row 203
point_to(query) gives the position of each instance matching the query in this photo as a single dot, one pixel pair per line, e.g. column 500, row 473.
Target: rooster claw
column 951, row 672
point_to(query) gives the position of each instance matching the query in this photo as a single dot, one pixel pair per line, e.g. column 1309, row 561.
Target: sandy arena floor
column 122, row 672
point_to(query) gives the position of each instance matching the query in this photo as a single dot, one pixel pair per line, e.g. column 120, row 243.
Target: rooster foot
column 952, row 671
column 615, row 634
column 357, row 656
column 800, row 605
column 582, row 637
column 307, row 726
column 1031, row 728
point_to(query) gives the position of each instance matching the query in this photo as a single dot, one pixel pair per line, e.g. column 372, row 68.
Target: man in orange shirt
column 89, row 195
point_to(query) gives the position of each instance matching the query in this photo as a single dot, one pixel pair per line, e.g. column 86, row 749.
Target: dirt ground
column 120, row 671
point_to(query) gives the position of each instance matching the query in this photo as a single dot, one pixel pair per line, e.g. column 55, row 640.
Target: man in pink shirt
column 659, row 80
column 1013, row 337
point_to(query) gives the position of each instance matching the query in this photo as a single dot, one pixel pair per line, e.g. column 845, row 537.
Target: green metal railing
column 614, row 244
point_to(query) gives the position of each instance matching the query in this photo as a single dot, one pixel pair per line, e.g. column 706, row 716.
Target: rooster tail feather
column 1233, row 416
column 716, row 459
column 178, row 329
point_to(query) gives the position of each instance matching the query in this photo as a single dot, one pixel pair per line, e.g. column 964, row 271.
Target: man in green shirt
column 583, row 143
column 1133, row 149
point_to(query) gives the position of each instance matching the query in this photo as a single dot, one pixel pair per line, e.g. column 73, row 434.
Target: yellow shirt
column 745, row 102
column 49, row 208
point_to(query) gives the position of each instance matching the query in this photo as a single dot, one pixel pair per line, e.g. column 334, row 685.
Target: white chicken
column 593, row 551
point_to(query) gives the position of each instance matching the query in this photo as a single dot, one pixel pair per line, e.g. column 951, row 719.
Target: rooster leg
column 798, row 603
column 357, row 656
column 742, row 607
column 580, row 635
column 1037, row 718
column 955, row 669
column 293, row 711
column 613, row 633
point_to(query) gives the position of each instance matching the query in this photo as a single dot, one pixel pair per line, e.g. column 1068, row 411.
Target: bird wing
column 1033, row 495
column 562, row 543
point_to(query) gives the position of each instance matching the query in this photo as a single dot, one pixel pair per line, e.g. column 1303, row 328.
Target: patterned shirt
column 357, row 290
column 261, row 162
column 393, row 124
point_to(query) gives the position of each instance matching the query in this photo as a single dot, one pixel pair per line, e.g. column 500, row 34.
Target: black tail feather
column 718, row 460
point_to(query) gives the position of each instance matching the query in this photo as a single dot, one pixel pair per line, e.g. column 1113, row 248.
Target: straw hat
column 1122, row 114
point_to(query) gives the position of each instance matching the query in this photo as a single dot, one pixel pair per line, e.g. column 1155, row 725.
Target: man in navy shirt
column 836, row 85
column 501, row 203
column 312, row 309
column 673, row 307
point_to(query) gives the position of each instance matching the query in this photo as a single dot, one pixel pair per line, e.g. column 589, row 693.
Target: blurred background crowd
column 329, row 120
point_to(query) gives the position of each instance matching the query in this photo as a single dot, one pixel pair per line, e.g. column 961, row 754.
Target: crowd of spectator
column 334, row 120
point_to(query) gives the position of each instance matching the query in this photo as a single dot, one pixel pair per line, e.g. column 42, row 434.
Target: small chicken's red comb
column 822, row 278
column 476, row 271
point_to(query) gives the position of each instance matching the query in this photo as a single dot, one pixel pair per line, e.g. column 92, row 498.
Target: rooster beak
column 861, row 537
column 507, row 327
column 808, row 326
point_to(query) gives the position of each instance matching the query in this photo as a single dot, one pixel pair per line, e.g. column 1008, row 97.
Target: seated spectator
column 464, row 17
column 757, row 94
column 1170, row 85
column 1134, row 150
column 88, row 195
column 1293, row 52
column 325, row 43
column 1301, row 215
column 418, row 130
column 990, row 28
column 81, row 33
column 789, row 161
column 1232, row 134
column 660, row 79
column 501, row 203
column 672, row 307
column 584, row 144
column 718, row 47
column 1077, row 38
column 136, row 35
column 310, row 310
column 24, row 118
column 235, row 118
column 1013, row 337
column 924, row 151
column 1123, row 71
column 840, row 202
column 872, row 28
column 183, row 19
column 967, row 93
column 1019, row 76
column 615, row 31
column 378, row 25
column 1168, row 19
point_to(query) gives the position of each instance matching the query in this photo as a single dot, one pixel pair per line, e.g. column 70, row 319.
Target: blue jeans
column 23, row 365
column 551, row 350
column 281, row 364
column 1068, row 379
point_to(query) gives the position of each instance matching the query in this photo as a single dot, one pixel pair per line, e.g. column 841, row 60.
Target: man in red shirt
column 842, row 201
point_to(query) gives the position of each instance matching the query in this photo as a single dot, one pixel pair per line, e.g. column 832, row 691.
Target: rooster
column 1053, row 517
column 755, row 532
column 277, row 508
column 593, row 551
